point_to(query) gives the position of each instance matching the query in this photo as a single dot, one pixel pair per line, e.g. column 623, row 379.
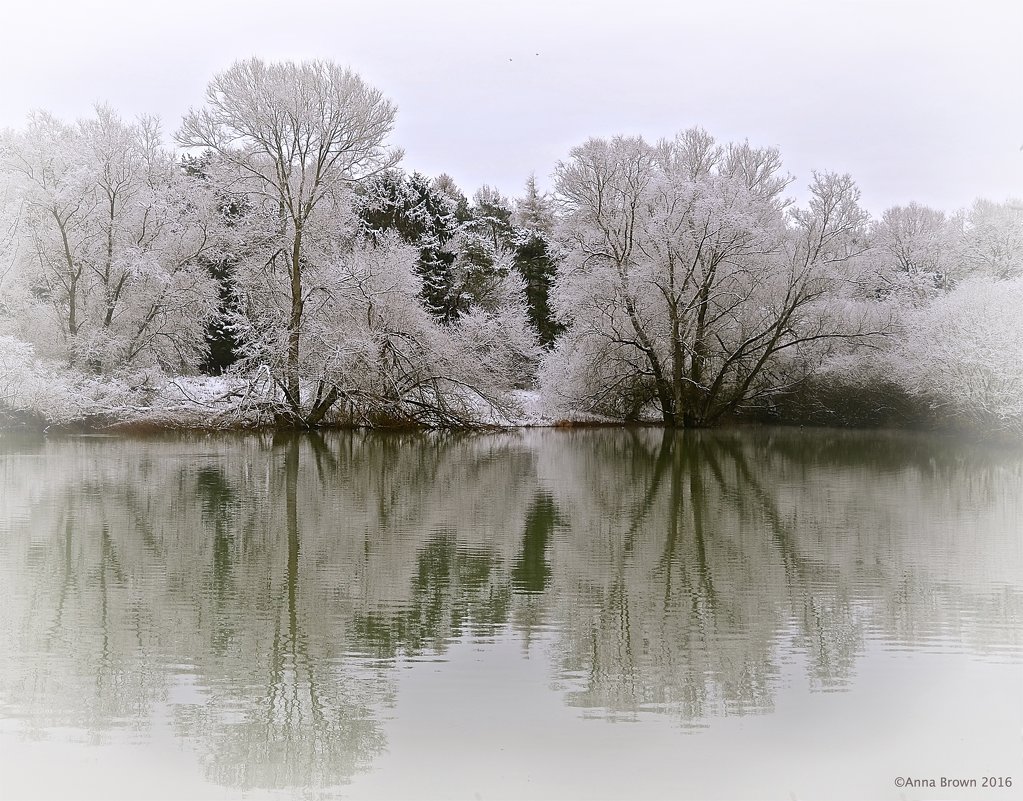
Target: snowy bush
column 964, row 354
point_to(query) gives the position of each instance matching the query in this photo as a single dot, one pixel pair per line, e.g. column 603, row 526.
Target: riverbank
column 153, row 403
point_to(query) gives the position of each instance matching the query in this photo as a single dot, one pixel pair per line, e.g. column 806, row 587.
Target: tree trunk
column 321, row 407
column 72, row 286
column 295, row 328
column 667, row 401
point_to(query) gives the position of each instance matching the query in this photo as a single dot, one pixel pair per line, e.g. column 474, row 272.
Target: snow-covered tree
column 369, row 340
column 536, row 258
column 921, row 252
column 466, row 254
column 915, row 252
column 963, row 354
column 110, row 233
column 991, row 242
column 483, row 256
column 446, row 185
column 424, row 217
column 943, row 280
column 684, row 283
column 297, row 138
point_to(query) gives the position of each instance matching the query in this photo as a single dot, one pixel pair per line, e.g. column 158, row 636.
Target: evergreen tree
column 465, row 251
column 535, row 259
column 423, row 217
column 221, row 337
column 446, row 185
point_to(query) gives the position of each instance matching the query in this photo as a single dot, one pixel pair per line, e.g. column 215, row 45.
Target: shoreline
column 143, row 428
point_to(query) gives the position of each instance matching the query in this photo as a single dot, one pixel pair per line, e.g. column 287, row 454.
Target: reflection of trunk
column 831, row 629
column 66, row 585
column 682, row 453
column 107, row 558
column 675, row 506
column 291, row 500
column 532, row 572
column 290, row 655
column 686, row 457
column 697, row 495
column 799, row 570
column 215, row 491
column 664, row 452
column 307, row 732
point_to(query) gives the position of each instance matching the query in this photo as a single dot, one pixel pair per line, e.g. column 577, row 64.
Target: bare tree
column 55, row 199
column 916, row 251
column 685, row 283
column 296, row 137
column 991, row 240
column 109, row 232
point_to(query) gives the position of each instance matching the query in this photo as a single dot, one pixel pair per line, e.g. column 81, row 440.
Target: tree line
column 288, row 253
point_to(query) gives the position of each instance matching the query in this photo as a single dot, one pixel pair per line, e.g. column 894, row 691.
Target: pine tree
column 424, row 217
column 221, row 337
column 535, row 259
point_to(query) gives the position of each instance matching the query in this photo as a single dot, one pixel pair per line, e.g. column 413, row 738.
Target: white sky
column 917, row 99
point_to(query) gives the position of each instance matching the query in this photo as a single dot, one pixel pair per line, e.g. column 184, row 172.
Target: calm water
column 550, row 614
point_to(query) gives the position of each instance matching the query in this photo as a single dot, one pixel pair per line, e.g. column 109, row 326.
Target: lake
column 606, row 613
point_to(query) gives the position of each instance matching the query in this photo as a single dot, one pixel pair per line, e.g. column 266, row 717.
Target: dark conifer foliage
column 536, row 264
column 536, row 259
column 221, row 337
column 422, row 216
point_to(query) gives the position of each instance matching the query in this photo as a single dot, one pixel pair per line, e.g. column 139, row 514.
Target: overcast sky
column 917, row 99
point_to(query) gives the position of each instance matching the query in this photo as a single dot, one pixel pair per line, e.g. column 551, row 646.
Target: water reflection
column 262, row 590
column 532, row 571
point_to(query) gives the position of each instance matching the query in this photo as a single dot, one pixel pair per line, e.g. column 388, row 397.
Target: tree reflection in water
column 263, row 588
